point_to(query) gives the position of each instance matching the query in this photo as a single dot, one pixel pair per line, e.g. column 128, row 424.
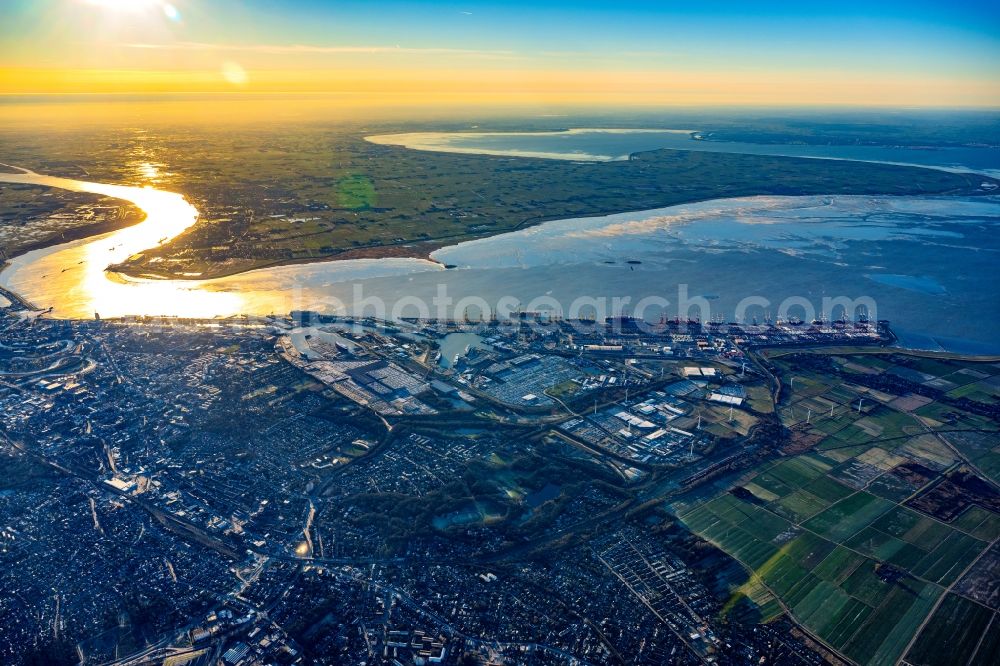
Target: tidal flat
column 285, row 194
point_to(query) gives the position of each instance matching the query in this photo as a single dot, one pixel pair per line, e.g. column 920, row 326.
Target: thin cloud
column 603, row 55
column 293, row 49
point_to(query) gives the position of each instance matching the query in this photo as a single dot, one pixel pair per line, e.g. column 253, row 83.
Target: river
column 72, row 278
column 603, row 145
column 928, row 262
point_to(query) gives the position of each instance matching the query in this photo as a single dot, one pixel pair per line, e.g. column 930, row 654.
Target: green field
column 944, row 564
column 859, row 571
column 980, row 523
column 827, row 532
column 960, row 632
column 833, row 590
column 848, row 516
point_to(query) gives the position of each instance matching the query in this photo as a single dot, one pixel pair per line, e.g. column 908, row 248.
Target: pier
column 17, row 301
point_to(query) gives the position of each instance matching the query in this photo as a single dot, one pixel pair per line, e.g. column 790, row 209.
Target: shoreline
column 423, row 249
column 374, row 252
column 402, row 249
column 77, row 234
column 419, row 142
column 768, row 352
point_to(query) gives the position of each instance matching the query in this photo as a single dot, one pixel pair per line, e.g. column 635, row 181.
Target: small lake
column 548, row 492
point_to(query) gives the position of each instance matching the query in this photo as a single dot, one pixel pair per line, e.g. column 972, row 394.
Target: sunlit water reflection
column 73, row 279
column 929, row 262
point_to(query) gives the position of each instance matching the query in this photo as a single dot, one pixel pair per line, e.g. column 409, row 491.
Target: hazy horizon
column 544, row 53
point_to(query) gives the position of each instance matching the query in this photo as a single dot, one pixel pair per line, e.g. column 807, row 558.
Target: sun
column 137, row 7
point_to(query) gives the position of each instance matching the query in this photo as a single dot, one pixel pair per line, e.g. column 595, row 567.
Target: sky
column 705, row 52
